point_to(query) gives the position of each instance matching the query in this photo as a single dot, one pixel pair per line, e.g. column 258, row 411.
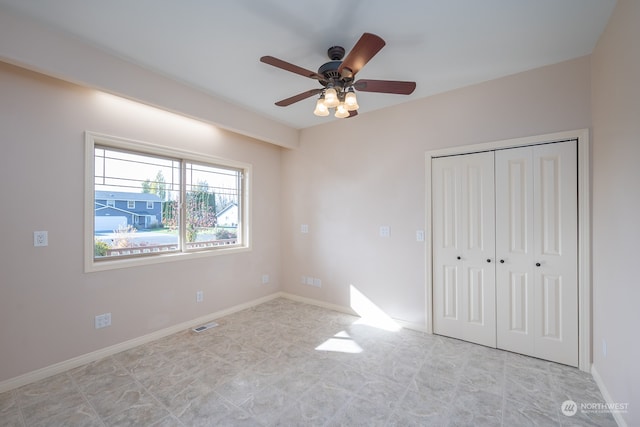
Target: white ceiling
column 215, row 46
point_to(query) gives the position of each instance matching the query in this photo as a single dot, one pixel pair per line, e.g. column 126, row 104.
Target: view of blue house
column 119, row 208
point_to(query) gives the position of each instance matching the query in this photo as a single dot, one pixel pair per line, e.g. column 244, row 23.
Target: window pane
column 124, row 227
column 212, row 205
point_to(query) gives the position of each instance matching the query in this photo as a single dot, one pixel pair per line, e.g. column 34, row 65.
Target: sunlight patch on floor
column 340, row 342
column 371, row 314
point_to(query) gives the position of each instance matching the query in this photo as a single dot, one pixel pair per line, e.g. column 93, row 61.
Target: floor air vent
column 205, row 327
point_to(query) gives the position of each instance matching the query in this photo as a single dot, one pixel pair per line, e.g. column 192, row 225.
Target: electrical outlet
column 265, row 279
column 199, row 296
column 103, row 320
column 420, row 236
column 304, row 228
column 311, row 281
column 40, row 238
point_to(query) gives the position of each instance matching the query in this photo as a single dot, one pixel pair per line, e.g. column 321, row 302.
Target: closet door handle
column 501, row 261
column 538, row 264
column 488, row 259
column 459, row 257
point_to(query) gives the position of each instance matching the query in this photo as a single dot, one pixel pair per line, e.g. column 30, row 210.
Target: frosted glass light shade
column 350, row 101
column 341, row 111
column 321, row 109
column 331, row 98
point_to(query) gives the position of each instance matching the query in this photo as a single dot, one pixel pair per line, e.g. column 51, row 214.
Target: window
column 195, row 205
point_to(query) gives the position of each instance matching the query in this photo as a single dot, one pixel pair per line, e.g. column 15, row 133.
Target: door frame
column 584, row 221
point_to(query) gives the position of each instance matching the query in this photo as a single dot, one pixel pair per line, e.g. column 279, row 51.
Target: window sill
column 92, row 266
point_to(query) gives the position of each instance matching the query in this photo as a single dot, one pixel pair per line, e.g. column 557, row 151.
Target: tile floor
column 277, row 364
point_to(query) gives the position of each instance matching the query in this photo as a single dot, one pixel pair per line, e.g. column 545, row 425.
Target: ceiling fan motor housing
column 330, row 70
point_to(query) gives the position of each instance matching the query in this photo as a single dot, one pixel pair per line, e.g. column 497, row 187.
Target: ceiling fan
column 337, row 78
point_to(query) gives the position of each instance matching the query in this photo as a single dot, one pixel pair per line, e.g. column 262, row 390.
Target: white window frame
column 111, row 203
column 92, row 139
column 149, row 205
column 131, row 204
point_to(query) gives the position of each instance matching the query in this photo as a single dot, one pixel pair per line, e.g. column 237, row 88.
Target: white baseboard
column 318, row 303
column 348, row 310
column 75, row 362
column 607, row 397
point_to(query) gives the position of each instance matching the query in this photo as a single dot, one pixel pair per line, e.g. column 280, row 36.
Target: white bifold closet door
column 464, row 247
column 536, row 250
column 505, row 249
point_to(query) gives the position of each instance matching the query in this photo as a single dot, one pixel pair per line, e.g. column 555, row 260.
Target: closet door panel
column 450, row 206
column 536, row 241
column 514, row 250
column 450, row 302
column 478, row 255
column 518, row 302
column 447, row 239
column 464, row 247
column 552, row 309
column 477, row 207
column 476, row 288
column 555, row 252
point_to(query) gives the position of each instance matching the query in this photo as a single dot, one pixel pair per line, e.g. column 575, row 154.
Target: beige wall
column 616, row 207
column 350, row 177
column 47, row 302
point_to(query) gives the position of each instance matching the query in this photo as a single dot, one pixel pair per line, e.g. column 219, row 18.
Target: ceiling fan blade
column 365, row 49
column 279, row 63
column 298, row 97
column 385, row 86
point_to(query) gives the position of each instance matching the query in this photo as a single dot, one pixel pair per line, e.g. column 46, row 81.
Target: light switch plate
column 40, row 238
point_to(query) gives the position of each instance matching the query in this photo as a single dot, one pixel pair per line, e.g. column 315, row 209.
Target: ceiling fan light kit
column 338, row 78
